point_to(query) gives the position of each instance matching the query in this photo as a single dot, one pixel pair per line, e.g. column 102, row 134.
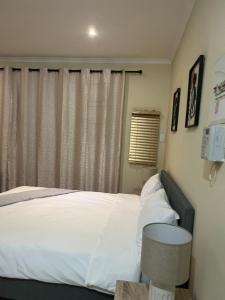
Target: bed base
column 20, row 289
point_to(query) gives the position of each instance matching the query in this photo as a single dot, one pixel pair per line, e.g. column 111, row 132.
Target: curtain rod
column 79, row 71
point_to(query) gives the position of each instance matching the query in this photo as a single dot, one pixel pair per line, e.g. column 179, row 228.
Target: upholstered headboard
column 178, row 201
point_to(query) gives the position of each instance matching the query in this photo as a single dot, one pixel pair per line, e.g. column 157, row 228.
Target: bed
column 23, row 289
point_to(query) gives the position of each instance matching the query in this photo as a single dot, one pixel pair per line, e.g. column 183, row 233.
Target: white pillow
column 152, row 185
column 156, row 210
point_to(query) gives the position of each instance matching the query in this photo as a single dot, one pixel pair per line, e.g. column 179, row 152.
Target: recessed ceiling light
column 92, row 32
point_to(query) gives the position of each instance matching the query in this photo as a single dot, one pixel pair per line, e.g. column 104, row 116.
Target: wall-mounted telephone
column 213, row 143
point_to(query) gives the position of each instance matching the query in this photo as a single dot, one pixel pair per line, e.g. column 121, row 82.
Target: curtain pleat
column 5, row 123
column 61, row 129
column 47, row 129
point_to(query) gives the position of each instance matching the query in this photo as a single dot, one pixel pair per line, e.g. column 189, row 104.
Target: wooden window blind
column 144, row 138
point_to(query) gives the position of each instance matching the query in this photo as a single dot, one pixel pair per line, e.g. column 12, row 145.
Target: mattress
column 84, row 238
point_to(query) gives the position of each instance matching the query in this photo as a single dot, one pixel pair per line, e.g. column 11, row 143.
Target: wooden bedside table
column 126, row 290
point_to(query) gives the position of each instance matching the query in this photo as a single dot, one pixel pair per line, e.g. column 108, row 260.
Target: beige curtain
column 5, row 117
column 61, row 129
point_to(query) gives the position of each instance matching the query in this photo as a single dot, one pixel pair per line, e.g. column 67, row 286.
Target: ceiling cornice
column 110, row 60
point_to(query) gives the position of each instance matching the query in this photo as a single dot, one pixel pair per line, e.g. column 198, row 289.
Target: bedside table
column 126, row 290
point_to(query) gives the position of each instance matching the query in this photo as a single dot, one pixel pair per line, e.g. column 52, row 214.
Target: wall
column 148, row 91
column 204, row 35
column 151, row 91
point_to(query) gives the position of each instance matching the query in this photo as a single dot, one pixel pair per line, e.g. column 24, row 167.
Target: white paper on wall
column 217, row 109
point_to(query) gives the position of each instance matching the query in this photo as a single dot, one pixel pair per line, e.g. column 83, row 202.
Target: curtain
column 61, row 129
column 5, row 117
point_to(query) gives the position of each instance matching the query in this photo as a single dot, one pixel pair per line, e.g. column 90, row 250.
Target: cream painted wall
column 204, row 35
column 148, row 91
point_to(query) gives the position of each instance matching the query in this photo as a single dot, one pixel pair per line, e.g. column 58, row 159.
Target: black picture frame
column 194, row 92
column 175, row 111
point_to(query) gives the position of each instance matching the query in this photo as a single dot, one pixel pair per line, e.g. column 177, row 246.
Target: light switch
column 162, row 137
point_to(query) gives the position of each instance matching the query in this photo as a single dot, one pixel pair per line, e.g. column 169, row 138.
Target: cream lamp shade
column 166, row 252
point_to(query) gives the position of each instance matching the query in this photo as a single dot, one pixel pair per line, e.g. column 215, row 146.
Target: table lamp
column 165, row 258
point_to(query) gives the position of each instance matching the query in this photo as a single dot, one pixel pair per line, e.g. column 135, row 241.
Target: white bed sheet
column 84, row 238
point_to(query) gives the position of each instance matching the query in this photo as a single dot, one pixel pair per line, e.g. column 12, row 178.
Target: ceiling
column 146, row 29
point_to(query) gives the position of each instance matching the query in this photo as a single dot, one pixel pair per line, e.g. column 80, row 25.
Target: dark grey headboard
column 178, row 201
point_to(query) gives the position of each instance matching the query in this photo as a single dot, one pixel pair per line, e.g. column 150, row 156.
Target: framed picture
column 175, row 113
column 194, row 93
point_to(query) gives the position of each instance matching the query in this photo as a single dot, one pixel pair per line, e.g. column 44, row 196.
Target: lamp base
column 156, row 293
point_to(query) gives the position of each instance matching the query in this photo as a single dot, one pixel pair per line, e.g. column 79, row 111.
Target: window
column 144, row 138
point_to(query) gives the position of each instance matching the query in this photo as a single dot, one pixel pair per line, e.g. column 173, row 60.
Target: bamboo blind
column 144, row 138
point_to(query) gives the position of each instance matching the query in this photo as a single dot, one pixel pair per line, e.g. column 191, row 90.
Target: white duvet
column 84, row 238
